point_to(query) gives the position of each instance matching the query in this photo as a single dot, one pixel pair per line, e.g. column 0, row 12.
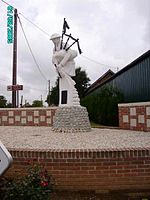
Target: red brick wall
column 89, row 169
column 27, row 116
column 134, row 116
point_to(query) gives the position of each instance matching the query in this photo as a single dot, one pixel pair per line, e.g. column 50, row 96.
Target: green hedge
column 103, row 106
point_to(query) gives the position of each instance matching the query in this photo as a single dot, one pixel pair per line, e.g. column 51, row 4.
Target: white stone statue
column 65, row 66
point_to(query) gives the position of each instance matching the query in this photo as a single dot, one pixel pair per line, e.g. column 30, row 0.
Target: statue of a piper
column 69, row 116
column 63, row 60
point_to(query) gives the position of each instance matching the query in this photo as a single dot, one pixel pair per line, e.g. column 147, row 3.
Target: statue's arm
column 69, row 55
column 66, row 58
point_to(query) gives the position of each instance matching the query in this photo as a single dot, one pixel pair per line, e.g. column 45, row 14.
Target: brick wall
column 135, row 116
column 27, row 116
column 91, row 170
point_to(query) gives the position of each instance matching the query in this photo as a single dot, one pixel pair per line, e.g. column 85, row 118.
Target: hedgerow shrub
column 103, row 106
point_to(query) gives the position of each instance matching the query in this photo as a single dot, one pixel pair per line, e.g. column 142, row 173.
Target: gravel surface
column 44, row 138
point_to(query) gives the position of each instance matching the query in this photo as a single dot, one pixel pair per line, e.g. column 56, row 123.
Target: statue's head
column 55, row 38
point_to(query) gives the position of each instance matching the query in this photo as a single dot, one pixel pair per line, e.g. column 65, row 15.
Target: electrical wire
column 34, row 25
column 6, row 3
column 47, row 34
column 29, row 20
column 31, row 51
column 95, row 61
column 46, row 90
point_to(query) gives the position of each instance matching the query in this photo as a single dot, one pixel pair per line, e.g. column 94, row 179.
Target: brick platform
column 89, row 170
column 27, row 116
column 135, row 116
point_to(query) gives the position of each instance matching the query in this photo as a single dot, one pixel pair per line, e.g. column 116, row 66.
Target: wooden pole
column 14, row 75
column 49, row 92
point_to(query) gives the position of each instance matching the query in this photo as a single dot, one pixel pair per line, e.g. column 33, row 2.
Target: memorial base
column 71, row 119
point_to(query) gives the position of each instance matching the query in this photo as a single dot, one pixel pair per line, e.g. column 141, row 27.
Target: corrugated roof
column 139, row 59
column 132, row 64
column 101, row 80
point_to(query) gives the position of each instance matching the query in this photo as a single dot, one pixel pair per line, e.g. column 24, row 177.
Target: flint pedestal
column 71, row 119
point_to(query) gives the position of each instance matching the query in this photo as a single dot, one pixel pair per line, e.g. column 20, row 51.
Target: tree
column 3, row 102
column 37, row 103
column 103, row 106
column 53, row 98
column 9, row 105
column 82, row 83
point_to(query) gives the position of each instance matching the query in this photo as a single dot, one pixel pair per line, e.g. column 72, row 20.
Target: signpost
column 10, row 24
column 14, row 75
column 12, row 38
column 5, row 159
column 14, row 87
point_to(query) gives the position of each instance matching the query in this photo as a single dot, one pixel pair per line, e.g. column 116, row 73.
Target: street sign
column 14, row 87
column 10, row 24
column 5, row 159
column 9, row 88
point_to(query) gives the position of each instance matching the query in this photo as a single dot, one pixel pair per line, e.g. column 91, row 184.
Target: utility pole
column 49, row 92
column 17, row 93
column 14, row 76
column 25, row 102
column 21, row 104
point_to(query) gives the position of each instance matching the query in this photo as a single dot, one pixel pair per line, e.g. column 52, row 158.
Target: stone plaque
column 64, row 97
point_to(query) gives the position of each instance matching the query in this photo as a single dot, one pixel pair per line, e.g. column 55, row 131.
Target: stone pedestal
column 71, row 119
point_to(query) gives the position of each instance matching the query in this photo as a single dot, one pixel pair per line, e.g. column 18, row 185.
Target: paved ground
column 45, row 138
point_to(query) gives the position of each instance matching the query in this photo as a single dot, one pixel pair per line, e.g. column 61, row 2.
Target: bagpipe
column 66, row 26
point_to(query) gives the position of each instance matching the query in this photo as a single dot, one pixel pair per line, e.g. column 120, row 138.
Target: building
column 100, row 81
column 133, row 80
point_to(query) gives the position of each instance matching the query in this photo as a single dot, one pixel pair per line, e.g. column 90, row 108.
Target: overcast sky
column 112, row 33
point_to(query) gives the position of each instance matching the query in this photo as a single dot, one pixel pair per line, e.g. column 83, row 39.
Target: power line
column 31, row 50
column 5, row 2
column 29, row 20
column 49, row 36
column 95, row 61
column 37, row 89
column 34, row 25
column 92, row 60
